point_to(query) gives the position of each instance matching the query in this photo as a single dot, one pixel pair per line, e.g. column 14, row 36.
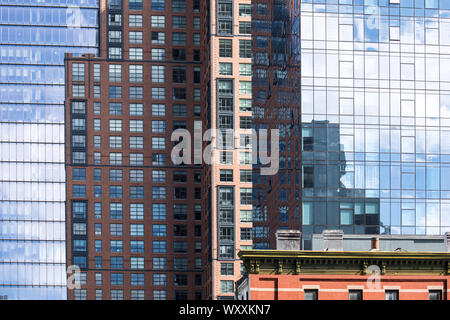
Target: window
column 115, row 142
column 158, row 37
column 137, row 263
column 136, row 93
column 137, row 295
column 180, row 211
column 136, row 54
column 245, row 69
column 246, row 175
column 179, row 54
column 115, row 158
column 224, row 27
column 355, row 295
column 178, row 38
column 115, row 4
column 115, row 73
column 435, row 295
column 115, row 175
column 136, row 109
column 158, row 5
column 245, row 48
column 135, row 20
column 245, row 87
column 180, row 280
column 78, row 91
column 245, row 122
column 245, row 27
column 159, row 246
column 226, row 175
column 158, row 21
column 158, row 93
column 158, row 74
column 245, row 10
column 79, row 191
column 116, row 294
column 78, row 72
column 136, row 192
column 179, row 110
column 246, row 216
column 79, row 229
column 391, row 294
column 136, row 73
column 158, row 192
column 115, row 19
column 116, row 263
column 159, row 211
column 115, row 191
column 135, row 4
column 246, row 234
column 226, row 286
column 115, row 92
column 80, row 294
column 179, row 5
column 179, row 74
column 178, row 22
column 226, row 269
column 158, row 176
column 115, row 36
column 115, row 229
column 225, row 68
column 196, row 23
column 158, row 110
column 136, row 142
column 159, row 295
column 158, row 54
column 180, row 193
column 136, row 176
column 115, row 210
column 136, row 159
column 116, row 245
column 115, row 53
column 159, row 279
column 311, row 294
column 135, row 37
column 136, row 230
column 117, row 279
column 136, row 126
column 79, row 174
column 137, row 279
column 179, row 94
column 136, row 211
column 225, row 48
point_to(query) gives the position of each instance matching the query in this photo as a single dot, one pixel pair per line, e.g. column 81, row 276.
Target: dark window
column 355, row 295
column 311, row 294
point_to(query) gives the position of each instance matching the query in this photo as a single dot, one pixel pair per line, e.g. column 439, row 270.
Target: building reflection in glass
column 378, row 72
column 34, row 36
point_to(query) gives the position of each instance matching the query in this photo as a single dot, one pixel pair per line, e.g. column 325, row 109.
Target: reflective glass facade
column 375, row 116
column 34, row 35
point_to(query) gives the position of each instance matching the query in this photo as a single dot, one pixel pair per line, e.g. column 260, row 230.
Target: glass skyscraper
column 375, row 116
column 34, row 35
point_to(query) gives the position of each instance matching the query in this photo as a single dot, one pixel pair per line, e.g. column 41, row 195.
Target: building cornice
column 345, row 262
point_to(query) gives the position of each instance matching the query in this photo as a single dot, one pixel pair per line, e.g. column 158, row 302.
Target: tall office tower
column 34, row 37
column 228, row 86
column 375, row 116
column 133, row 215
column 276, row 106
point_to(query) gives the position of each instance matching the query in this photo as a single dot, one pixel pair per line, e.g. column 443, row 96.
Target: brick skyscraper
column 133, row 217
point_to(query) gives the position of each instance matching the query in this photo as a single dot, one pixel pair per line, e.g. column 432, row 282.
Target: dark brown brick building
column 133, row 217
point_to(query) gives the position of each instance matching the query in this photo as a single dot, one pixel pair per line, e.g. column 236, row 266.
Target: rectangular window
column 310, row 294
column 78, row 71
column 355, row 295
column 391, row 295
column 245, row 48
column 225, row 48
